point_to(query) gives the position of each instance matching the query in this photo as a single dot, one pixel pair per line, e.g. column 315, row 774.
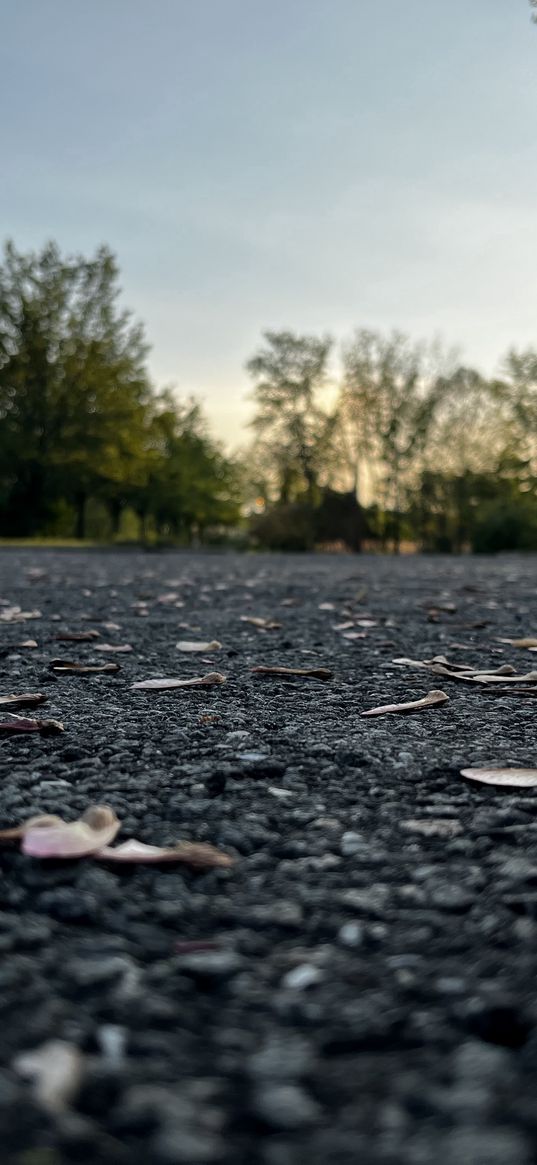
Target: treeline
column 441, row 458
column 380, row 444
column 84, row 437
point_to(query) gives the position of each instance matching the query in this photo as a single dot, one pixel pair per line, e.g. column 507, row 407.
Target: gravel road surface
column 358, row 988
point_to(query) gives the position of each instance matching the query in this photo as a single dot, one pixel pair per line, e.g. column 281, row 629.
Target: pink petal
column 70, row 839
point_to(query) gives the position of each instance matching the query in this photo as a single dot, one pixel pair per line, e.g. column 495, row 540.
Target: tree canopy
column 80, row 420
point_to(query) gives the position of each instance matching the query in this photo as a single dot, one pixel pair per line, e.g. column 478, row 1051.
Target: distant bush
column 506, row 525
column 288, row 526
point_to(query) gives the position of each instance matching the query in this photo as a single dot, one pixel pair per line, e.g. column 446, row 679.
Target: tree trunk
column 114, row 509
column 80, row 508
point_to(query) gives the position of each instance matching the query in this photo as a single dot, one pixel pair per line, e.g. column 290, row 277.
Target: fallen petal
column 96, row 828
column 117, row 647
column 56, row 1069
column 25, row 724
column 189, row 645
column 200, row 856
column 434, row 697
column 77, row 636
column 67, row 665
column 317, row 673
column 433, row 827
column 24, row 700
column 263, row 624
column 17, row 831
column 532, row 643
column 512, row 778
column 213, row 677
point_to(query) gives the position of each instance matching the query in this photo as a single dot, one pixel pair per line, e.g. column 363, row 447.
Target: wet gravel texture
column 357, row 988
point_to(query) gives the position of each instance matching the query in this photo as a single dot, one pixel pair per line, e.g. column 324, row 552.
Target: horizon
column 364, row 169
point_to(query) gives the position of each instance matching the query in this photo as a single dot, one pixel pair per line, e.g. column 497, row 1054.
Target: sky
column 318, row 165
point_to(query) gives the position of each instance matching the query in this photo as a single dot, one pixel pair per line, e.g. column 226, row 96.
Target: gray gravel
column 359, row 987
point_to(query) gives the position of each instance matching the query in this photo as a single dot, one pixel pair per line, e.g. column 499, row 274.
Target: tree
column 293, row 429
column 73, row 385
column 385, row 409
column 189, row 484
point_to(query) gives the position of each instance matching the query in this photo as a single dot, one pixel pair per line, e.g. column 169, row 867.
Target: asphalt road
column 359, row 986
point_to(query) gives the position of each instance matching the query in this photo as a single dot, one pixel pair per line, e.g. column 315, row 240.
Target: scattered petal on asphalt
column 263, row 624
column 96, row 828
column 433, row 697
column 117, row 647
column 24, row 700
column 68, row 665
column 432, row 826
column 198, row 855
column 56, row 1070
column 513, row 778
column 17, row 831
column 78, row 636
column 25, row 724
column 190, row 645
column 16, row 615
column 213, row 677
column 531, row 643
column 315, row 673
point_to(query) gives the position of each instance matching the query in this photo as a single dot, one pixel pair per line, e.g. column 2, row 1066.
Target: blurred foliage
column 387, row 442
column 443, row 459
column 87, row 447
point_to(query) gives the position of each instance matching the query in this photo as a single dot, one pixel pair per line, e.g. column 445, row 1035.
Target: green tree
column 189, row 486
column 73, row 385
column 292, row 426
column 385, row 408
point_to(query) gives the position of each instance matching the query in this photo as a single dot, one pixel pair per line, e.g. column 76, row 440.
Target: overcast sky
column 311, row 164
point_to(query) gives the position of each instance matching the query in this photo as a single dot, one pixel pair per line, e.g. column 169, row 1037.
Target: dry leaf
column 213, row 677
column 433, row 697
column 316, row 673
column 26, row 643
column 68, row 665
column 531, row 643
column 263, row 624
column 354, row 635
column 24, row 700
column 327, row 606
column 24, row 724
column 200, row 856
column 78, row 636
column 117, row 647
column 513, row 778
column 51, row 837
column 343, row 626
column 188, row 645
column 56, row 1069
